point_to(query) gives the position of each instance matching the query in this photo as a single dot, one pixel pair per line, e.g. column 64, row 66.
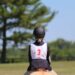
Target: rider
column 39, row 52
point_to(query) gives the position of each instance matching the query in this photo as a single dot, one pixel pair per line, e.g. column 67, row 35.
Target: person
column 39, row 52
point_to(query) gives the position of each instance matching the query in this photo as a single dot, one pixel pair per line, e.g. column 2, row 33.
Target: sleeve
column 29, row 56
column 30, row 59
column 48, row 55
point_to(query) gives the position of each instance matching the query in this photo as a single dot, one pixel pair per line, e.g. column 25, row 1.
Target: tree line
column 62, row 50
column 18, row 18
column 59, row 50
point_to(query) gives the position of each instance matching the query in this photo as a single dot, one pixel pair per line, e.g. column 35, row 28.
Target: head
column 39, row 33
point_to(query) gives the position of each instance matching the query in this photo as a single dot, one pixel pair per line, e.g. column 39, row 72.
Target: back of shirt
column 39, row 52
column 38, row 56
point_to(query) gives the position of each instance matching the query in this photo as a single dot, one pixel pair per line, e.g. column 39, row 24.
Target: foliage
column 19, row 18
column 62, row 50
column 57, row 52
column 17, row 55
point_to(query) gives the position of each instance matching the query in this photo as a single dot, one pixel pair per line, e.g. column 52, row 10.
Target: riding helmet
column 39, row 32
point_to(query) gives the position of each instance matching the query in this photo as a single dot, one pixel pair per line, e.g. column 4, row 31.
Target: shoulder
column 32, row 45
column 47, row 45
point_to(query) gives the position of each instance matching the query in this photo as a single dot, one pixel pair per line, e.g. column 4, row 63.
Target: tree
column 21, row 16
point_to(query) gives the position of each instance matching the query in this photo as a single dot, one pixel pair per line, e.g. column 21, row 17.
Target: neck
column 39, row 43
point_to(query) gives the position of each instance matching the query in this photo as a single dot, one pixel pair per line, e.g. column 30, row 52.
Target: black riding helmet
column 39, row 32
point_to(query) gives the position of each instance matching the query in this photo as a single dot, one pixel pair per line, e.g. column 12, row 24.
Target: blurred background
column 18, row 19
column 17, row 22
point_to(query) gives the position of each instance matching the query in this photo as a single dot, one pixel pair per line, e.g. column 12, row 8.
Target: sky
column 63, row 24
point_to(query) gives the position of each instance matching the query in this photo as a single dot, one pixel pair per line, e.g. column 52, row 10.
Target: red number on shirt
column 38, row 52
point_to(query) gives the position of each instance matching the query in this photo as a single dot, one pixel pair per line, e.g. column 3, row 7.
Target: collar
column 38, row 43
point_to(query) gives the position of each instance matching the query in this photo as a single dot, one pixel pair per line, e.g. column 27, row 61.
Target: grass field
column 61, row 67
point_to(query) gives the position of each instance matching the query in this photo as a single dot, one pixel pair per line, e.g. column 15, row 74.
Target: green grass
column 64, row 67
column 61, row 67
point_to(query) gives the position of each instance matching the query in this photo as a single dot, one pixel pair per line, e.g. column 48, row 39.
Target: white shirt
column 39, row 52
